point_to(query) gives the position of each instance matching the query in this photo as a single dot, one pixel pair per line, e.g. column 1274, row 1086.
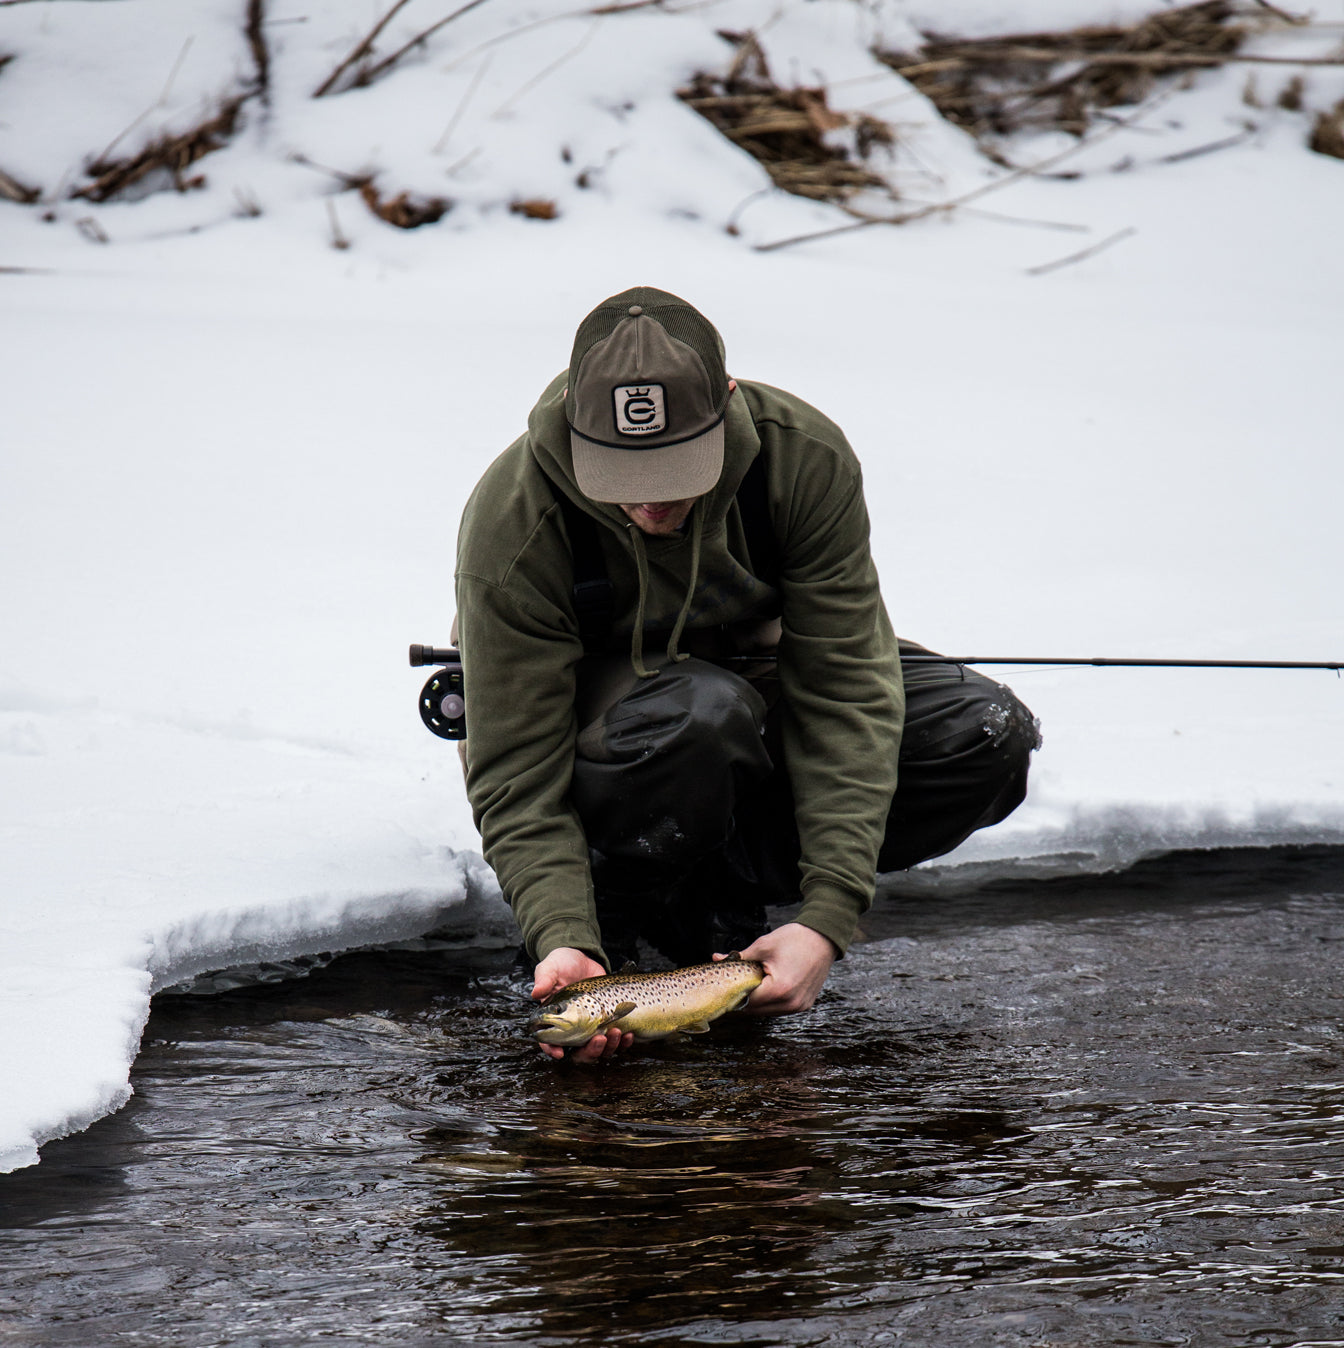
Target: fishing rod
column 1134, row 661
column 433, row 655
column 443, row 705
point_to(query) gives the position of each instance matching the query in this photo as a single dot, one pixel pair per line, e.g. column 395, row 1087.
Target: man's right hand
column 558, row 970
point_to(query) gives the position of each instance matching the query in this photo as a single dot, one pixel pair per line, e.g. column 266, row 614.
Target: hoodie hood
column 549, row 439
column 685, row 556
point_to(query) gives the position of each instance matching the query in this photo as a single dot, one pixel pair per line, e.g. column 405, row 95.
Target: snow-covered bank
column 234, row 462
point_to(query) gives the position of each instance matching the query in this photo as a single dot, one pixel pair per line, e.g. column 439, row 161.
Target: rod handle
column 434, row 655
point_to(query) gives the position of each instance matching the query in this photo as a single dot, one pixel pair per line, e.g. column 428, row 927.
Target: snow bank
column 236, row 456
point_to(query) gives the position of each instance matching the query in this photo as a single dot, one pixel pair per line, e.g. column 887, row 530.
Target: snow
column 235, row 455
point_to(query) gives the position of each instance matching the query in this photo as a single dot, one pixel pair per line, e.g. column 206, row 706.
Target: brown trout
column 650, row 1006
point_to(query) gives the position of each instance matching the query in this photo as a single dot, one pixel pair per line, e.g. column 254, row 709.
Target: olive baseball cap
column 646, row 399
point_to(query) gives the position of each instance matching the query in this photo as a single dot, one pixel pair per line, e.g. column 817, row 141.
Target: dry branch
column 361, row 49
column 255, row 31
column 366, row 74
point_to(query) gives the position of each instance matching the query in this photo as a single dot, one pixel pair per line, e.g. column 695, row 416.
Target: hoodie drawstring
column 642, row 571
column 697, row 532
column 637, row 638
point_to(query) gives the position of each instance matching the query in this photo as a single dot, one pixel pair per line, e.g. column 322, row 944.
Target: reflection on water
column 1106, row 1110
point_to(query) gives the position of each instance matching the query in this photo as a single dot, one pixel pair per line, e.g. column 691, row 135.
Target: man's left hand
column 797, row 961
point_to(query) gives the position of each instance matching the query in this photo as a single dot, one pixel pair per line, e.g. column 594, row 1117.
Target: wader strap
column 594, row 608
column 593, row 605
column 762, row 544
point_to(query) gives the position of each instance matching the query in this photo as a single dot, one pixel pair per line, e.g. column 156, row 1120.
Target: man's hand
column 797, row 961
column 558, row 970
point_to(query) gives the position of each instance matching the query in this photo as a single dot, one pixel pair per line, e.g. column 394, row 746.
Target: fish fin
column 623, row 1009
column 629, row 967
column 731, row 955
column 696, row 1027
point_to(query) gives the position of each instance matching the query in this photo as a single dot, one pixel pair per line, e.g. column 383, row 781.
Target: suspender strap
column 762, row 542
column 593, row 605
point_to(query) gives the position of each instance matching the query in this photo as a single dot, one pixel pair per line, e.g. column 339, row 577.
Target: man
column 686, row 700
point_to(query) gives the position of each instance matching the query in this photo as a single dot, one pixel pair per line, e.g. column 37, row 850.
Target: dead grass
column 1327, row 136
column 535, row 208
column 996, row 86
column 170, row 155
column 404, row 210
column 787, row 130
column 13, row 190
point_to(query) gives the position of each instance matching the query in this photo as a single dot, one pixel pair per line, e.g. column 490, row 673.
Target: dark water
column 1104, row 1110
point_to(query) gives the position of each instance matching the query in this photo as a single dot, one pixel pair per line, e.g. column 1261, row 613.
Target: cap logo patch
column 641, row 409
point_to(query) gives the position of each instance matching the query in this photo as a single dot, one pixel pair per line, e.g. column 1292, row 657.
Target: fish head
column 569, row 1023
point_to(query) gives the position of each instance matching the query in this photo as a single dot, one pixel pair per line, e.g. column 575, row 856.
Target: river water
column 1089, row 1110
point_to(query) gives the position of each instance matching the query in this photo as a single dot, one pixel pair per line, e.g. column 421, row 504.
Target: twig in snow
column 348, row 179
column 1081, row 256
column 1155, row 60
column 338, row 239
column 361, row 49
column 92, row 230
column 254, row 28
column 1225, row 144
column 370, row 74
column 554, row 65
column 174, row 154
column 462, row 106
column 625, row 6
column 525, row 28
column 1297, row 20
column 1064, row 226
column 158, row 103
column 13, row 190
column 463, row 162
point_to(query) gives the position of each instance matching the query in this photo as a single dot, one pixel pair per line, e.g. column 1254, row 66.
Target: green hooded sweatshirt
column 838, row 666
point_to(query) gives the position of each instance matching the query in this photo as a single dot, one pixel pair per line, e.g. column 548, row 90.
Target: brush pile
column 165, row 161
column 789, row 131
column 996, row 86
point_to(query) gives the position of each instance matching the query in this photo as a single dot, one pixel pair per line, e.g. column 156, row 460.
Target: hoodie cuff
column 568, row 935
column 832, row 911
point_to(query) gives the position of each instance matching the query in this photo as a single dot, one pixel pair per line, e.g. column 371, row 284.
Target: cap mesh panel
column 680, row 321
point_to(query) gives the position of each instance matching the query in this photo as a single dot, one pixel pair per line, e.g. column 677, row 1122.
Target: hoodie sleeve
column 519, row 653
column 841, row 677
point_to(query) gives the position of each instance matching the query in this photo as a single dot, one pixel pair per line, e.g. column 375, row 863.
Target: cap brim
column 640, row 476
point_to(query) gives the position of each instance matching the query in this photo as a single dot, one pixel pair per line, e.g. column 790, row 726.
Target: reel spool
column 442, row 707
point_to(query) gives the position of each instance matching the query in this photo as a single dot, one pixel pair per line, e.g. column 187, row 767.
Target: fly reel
column 443, row 706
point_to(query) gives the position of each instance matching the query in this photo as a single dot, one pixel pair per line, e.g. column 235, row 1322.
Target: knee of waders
column 1007, row 722
column 971, row 716
column 691, row 710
